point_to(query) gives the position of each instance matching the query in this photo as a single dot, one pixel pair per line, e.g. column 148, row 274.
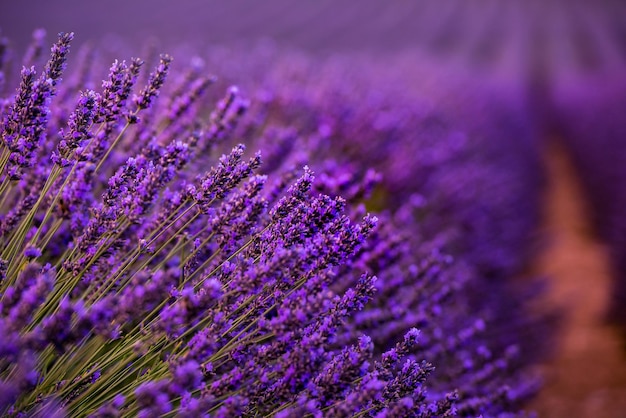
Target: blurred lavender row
column 584, row 108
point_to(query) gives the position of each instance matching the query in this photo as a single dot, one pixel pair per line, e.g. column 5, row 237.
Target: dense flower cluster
column 152, row 266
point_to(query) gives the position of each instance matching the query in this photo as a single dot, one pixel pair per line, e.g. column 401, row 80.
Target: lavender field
column 325, row 209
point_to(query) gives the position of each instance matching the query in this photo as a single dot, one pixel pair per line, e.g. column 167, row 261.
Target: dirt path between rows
column 587, row 376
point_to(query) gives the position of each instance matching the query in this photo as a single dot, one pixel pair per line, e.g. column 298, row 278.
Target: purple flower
column 24, row 132
column 78, row 128
column 157, row 78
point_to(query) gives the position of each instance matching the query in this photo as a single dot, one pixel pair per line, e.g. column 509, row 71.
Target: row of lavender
column 586, row 104
column 144, row 274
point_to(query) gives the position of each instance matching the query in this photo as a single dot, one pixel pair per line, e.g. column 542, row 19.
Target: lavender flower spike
column 29, row 128
column 151, row 91
column 78, row 128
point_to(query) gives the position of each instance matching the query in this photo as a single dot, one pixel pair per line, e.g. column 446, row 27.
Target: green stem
column 108, row 152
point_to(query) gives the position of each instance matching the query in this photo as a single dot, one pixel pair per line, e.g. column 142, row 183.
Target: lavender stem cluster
column 152, row 266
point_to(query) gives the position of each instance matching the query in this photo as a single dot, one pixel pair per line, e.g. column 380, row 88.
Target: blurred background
column 562, row 62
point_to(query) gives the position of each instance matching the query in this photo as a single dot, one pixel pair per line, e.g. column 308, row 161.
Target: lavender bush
column 144, row 274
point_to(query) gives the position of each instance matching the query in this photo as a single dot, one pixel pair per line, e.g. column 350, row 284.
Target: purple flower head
column 32, row 252
column 78, row 128
column 116, row 90
column 26, row 132
column 228, row 174
column 157, row 78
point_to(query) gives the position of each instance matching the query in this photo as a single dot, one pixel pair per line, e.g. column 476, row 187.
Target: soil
column 587, row 375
